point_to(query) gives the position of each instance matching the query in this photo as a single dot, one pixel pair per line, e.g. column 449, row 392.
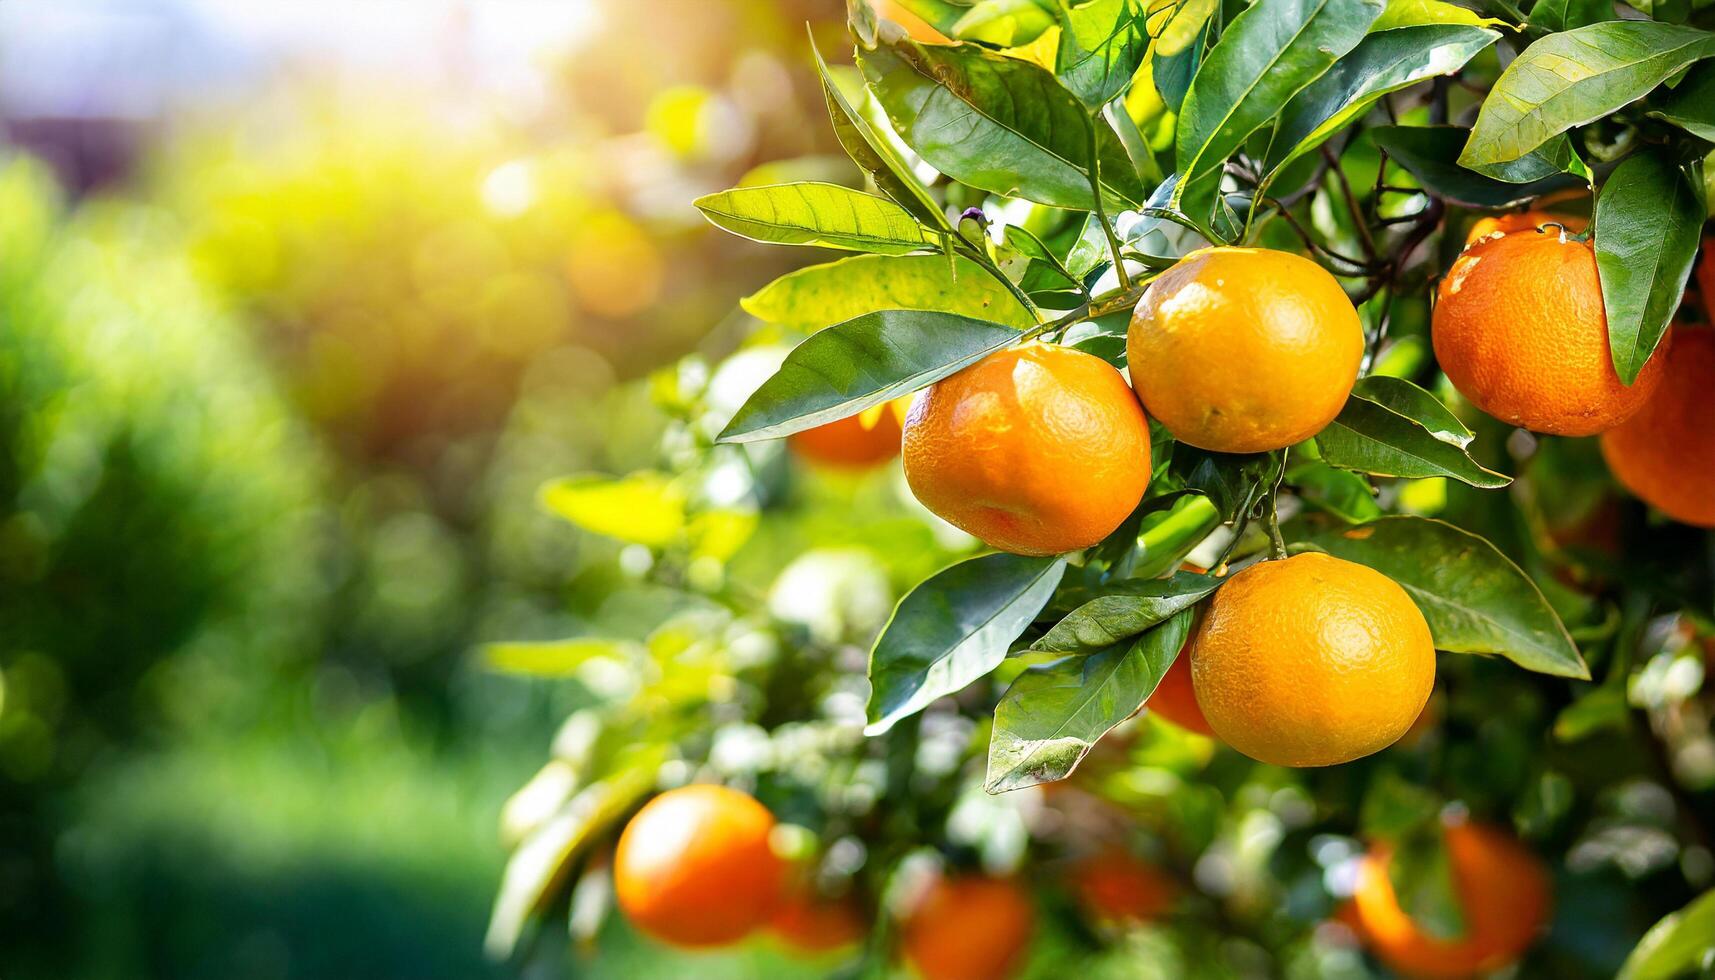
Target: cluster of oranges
column 695, row 868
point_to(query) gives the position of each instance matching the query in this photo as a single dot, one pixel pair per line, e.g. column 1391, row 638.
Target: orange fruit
column 1311, row 661
column 969, row 928
column 1036, row 449
column 1503, row 891
column 855, row 442
column 1666, row 452
column 1521, row 331
column 1175, row 700
column 694, row 866
column 1115, row 886
column 1506, row 224
column 811, row 923
column 1243, row 350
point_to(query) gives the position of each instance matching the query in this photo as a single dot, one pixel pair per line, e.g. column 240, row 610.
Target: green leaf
column 1109, row 619
column 862, row 362
column 557, row 658
column 1391, row 427
column 874, row 155
column 997, row 123
column 1055, row 712
column 1383, row 62
column 1566, row 15
column 1578, row 76
column 1671, row 11
column 1602, row 709
column 1179, row 52
column 1033, row 266
column 1557, row 156
column 1474, row 598
column 1267, row 55
column 1232, row 482
column 1004, row 23
column 1417, row 13
column 817, row 214
column 538, row 866
column 818, row 295
column 1649, row 218
column 1676, row 946
column 1691, row 106
column 1342, row 493
column 643, row 508
column 1431, row 153
column 1102, row 43
column 952, row 629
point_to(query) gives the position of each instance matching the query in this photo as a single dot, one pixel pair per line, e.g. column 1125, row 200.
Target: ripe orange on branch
column 1036, row 449
column 1503, row 891
column 1514, row 221
column 1520, row 329
column 969, row 928
column 1666, row 452
column 1175, row 700
column 855, row 442
column 694, row 867
column 1311, row 661
column 1244, row 350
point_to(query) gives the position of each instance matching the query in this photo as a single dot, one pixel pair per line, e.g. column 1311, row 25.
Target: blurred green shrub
column 160, row 524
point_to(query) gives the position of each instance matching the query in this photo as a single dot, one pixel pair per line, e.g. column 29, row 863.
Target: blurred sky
column 138, row 59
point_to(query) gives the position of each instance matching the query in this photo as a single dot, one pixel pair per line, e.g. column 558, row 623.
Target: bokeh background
column 299, row 304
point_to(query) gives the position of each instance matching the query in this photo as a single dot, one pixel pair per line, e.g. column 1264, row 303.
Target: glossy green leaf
column 1474, row 598
column 1391, row 427
column 1055, row 712
column 1677, row 946
column 1004, row 23
column 952, row 629
column 1102, row 43
column 997, row 123
column 1109, row 619
column 1232, row 482
column 1571, row 78
column 1566, row 15
column 1342, row 493
column 1691, row 106
column 643, row 508
column 861, row 362
column 1383, row 62
column 818, row 295
column 1557, row 156
column 874, row 155
column 1177, row 56
column 817, row 214
column 1431, row 153
column 1034, row 267
column 1649, row 218
column 1266, row 56
column 1418, row 13
column 1669, row 11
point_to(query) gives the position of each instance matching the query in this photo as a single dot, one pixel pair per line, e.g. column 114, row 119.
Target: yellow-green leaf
column 643, row 508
